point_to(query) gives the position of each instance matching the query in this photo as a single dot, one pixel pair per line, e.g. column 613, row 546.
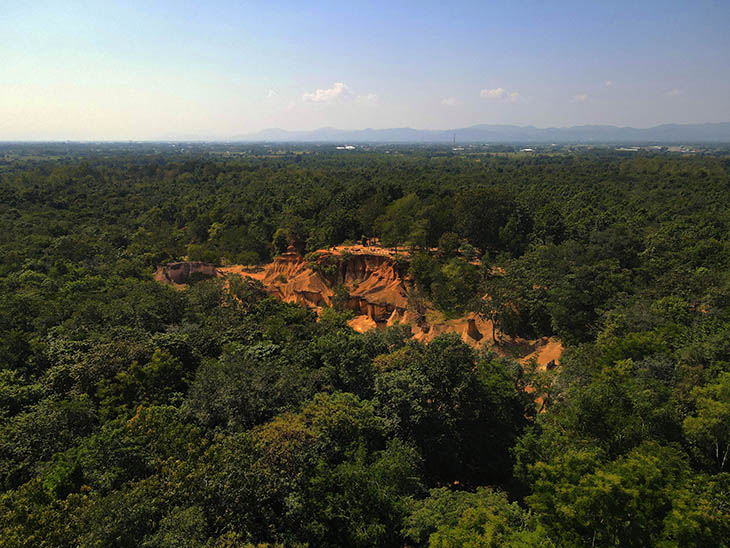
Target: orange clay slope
column 377, row 292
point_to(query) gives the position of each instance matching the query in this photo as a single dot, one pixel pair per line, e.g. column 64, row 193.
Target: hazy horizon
column 164, row 71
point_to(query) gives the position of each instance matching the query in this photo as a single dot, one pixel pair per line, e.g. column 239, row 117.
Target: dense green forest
column 133, row 414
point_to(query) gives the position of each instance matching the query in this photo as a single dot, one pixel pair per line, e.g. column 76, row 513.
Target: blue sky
column 217, row 69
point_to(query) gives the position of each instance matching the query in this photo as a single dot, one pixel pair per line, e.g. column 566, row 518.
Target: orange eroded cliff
column 178, row 274
column 368, row 281
column 374, row 286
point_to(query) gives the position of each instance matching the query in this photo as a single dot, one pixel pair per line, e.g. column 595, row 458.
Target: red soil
column 378, row 295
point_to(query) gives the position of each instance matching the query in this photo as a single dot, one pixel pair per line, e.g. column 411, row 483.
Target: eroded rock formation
column 180, row 273
column 366, row 280
column 373, row 286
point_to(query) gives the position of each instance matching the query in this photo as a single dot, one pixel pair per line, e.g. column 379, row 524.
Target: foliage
column 483, row 518
column 135, row 414
column 710, row 429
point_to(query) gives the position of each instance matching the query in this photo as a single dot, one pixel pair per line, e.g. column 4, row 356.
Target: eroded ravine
column 375, row 290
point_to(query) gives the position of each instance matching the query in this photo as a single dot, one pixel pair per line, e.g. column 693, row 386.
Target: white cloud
column 450, row 101
column 271, row 94
column 580, row 98
column 500, row 94
column 608, row 83
column 337, row 92
column 675, row 92
column 496, row 93
column 367, row 99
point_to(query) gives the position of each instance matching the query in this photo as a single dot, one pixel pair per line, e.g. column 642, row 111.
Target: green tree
column 462, row 414
column 397, row 223
column 709, row 430
column 448, row 245
column 585, row 502
column 483, row 518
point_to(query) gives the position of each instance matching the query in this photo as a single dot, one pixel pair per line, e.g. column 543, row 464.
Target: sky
column 215, row 69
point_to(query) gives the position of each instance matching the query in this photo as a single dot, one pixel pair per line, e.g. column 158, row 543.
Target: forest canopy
column 134, row 414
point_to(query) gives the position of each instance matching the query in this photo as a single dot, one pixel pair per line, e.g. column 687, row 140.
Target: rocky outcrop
column 180, row 273
column 374, row 287
column 375, row 290
column 471, row 330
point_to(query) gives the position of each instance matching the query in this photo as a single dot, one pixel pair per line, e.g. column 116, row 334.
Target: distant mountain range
column 485, row 133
